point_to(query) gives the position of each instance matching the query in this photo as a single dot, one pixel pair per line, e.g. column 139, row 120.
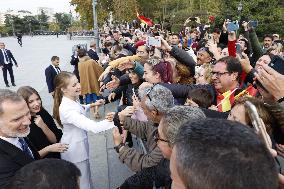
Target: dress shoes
column 7, row 85
column 14, row 84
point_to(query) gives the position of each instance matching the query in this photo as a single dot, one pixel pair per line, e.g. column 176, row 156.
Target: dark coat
column 145, row 179
column 12, row 159
column 93, row 55
column 75, row 61
column 183, row 57
column 50, row 74
column 37, row 136
column 10, row 57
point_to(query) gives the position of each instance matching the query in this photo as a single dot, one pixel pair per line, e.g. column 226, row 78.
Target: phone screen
column 277, row 63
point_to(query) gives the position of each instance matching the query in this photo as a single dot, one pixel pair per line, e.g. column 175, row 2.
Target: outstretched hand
column 117, row 139
column 98, row 103
column 113, row 84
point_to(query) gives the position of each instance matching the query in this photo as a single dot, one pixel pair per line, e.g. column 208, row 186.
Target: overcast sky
column 31, row 5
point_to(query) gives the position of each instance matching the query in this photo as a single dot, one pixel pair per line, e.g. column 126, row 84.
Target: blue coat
column 50, row 74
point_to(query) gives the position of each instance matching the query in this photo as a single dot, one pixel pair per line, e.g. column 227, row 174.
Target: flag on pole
column 145, row 20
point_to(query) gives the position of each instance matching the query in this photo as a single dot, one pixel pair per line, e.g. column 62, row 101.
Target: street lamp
column 96, row 32
column 240, row 8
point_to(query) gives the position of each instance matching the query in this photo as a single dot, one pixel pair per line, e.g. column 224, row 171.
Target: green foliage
column 43, row 18
column 270, row 14
column 63, row 20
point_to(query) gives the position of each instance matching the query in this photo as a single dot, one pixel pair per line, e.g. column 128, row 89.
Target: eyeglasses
column 149, row 91
column 157, row 137
column 148, row 95
column 219, row 74
column 140, row 52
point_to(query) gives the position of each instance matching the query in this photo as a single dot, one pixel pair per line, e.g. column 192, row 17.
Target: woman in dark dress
column 44, row 133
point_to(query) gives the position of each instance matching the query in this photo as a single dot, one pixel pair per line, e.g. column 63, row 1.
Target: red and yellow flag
column 226, row 100
column 145, row 20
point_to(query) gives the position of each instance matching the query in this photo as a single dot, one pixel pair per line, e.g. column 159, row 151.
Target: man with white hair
column 156, row 100
column 15, row 150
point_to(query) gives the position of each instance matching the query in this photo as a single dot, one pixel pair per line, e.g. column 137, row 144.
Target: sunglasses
column 148, row 95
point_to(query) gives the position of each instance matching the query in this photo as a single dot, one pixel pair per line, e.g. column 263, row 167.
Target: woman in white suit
column 71, row 116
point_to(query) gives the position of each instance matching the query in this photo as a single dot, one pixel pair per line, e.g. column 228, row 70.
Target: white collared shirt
column 3, row 52
column 57, row 71
column 14, row 141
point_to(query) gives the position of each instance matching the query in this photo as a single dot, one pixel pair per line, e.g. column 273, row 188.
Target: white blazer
column 75, row 127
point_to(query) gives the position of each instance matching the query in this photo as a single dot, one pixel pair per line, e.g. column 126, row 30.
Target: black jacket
column 12, row 159
column 93, row 55
column 158, row 175
column 37, row 136
column 183, row 57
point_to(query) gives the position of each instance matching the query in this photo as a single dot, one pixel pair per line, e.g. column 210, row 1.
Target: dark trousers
column 8, row 67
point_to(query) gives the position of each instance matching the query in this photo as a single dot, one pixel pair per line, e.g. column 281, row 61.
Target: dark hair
column 233, row 65
column 202, row 97
column 46, row 174
column 216, row 30
column 246, row 45
column 26, row 92
column 82, row 53
column 225, row 154
column 107, row 44
column 268, row 35
column 53, row 58
column 268, row 53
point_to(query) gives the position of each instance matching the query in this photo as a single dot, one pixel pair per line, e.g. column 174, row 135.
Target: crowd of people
column 208, row 104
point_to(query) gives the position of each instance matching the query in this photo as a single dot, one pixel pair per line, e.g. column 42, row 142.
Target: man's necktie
column 58, row 70
column 6, row 56
column 25, row 147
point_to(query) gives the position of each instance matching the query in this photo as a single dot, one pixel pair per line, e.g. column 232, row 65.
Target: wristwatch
column 118, row 147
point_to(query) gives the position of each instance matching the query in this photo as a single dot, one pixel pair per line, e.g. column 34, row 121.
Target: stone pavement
column 33, row 58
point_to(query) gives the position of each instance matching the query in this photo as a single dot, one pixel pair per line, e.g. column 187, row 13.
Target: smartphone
column 258, row 124
column 238, row 49
column 152, row 41
column 253, row 23
column 277, row 63
column 232, row 26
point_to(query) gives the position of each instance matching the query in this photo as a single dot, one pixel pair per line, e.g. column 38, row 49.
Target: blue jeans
column 90, row 98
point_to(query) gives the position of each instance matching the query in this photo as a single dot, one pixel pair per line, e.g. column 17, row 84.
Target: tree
column 63, row 20
column 53, row 26
column 125, row 10
column 43, row 20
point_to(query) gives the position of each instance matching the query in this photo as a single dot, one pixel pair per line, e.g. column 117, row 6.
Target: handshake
column 97, row 103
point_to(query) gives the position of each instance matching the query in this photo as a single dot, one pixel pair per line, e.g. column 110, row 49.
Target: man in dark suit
column 92, row 51
column 15, row 150
column 6, row 58
column 50, row 73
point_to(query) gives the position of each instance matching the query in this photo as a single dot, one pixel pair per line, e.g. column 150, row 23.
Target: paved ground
column 33, row 58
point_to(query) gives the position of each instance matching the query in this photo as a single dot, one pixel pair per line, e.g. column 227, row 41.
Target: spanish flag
column 249, row 91
column 226, row 100
column 145, row 20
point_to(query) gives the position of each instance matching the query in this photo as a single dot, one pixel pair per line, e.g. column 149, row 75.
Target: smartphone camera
column 253, row 23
